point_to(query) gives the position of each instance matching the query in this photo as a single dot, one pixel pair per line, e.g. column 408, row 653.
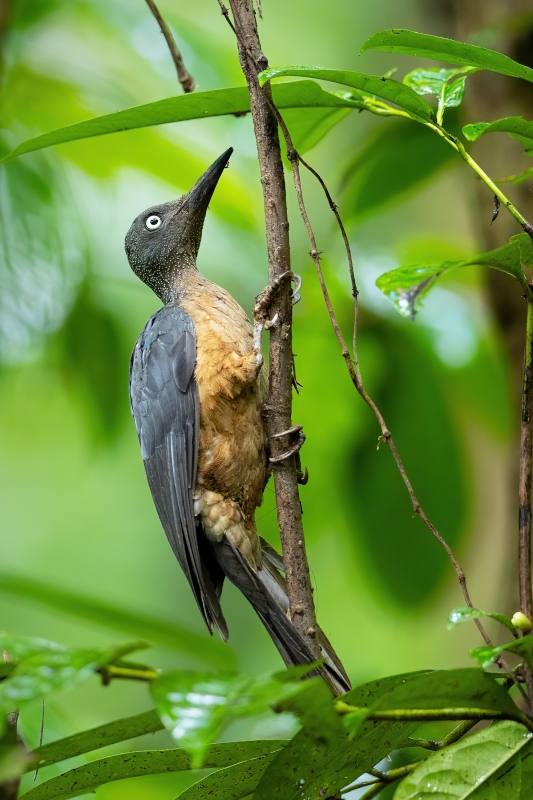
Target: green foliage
column 119, row 730
column 89, row 777
column 459, row 615
column 438, row 48
column 407, row 286
column 415, row 565
column 197, row 105
column 157, row 631
column 395, row 160
column 195, row 707
column 521, row 647
column 517, row 127
column 367, row 86
column 471, row 767
column 443, row 83
column 232, row 783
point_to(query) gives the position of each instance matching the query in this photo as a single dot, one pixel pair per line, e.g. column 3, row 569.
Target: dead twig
column 185, row 78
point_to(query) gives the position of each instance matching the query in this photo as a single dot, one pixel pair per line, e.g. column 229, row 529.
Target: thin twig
column 454, row 736
column 353, row 366
column 185, row 78
column 524, row 515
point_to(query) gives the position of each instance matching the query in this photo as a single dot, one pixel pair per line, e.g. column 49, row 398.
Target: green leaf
column 89, row 777
column 197, row 105
column 467, row 767
column 407, row 286
column 113, row 732
column 521, row 647
column 233, row 783
column 309, row 126
column 512, row 781
column 195, row 706
column 459, row 615
column 396, row 159
column 51, row 671
column 437, row 81
column 158, row 631
column 17, row 648
column 384, row 88
column 399, row 40
column 321, row 767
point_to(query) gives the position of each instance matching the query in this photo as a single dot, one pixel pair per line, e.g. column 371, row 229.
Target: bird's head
column 164, row 240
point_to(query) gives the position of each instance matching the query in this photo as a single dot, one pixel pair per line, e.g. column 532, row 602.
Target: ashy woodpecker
column 197, row 385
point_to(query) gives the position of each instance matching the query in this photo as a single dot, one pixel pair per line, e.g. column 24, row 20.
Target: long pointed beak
column 201, row 193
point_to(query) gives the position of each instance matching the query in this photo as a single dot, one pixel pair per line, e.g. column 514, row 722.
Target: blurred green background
column 76, row 513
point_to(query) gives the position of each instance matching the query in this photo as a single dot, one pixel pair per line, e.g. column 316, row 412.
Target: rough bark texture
column 279, row 403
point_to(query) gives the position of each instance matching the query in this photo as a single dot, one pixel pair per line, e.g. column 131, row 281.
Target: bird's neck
column 174, row 283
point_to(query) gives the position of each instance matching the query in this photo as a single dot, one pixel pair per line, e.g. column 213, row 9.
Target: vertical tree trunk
column 279, row 403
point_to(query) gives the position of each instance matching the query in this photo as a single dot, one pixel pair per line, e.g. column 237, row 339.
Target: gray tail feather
column 266, row 592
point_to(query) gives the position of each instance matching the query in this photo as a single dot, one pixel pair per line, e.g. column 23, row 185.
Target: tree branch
column 279, row 402
column 184, row 77
column 524, row 513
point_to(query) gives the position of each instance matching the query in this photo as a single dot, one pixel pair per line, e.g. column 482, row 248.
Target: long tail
column 266, row 592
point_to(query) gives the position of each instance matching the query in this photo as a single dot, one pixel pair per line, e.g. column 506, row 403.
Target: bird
column 198, row 382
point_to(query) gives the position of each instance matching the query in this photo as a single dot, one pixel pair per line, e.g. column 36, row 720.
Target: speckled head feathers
column 164, row 240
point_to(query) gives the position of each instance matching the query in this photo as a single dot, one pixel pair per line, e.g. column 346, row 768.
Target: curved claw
column 294, row 448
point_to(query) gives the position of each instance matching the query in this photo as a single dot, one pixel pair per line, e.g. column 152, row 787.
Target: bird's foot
column 298, row 438
column 263, row 301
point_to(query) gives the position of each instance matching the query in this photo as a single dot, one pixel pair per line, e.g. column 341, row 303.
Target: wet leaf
column 521, row 647
column 407, row 286
column 197, row 105
column 195, row 706
column 467, row 768
column 459, row 615
column 411, row 43
column 375, row 85
column 439, row 82
column 89, row 777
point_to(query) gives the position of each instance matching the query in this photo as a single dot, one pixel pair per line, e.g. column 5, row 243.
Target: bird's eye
column 153, row 222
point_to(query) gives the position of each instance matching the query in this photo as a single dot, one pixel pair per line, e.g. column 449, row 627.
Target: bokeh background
column 84, row 560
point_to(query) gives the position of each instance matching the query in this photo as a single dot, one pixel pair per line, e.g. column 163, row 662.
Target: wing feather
column 165, row 408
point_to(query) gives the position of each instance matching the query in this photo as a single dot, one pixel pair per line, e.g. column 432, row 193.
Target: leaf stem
column 111, row 671
column 454, row 736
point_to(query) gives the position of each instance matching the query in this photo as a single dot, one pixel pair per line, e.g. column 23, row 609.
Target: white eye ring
column 153, row 222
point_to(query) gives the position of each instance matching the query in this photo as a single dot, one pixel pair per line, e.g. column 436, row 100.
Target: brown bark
column 279, row 403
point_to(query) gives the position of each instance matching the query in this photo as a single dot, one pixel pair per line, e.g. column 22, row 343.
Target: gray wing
column 165, row 408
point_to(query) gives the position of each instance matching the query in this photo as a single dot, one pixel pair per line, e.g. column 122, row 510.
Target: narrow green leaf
column 454, row 93
column 459, row 615
column 195, row 706
column 407, row 286
column 85, row 742
column 517, row 127
column 399, row 40
column 521, row 647
column 89, row 777
column 317, row 767
column 233, row 783
column 465, row 768
column 385, row 88
column 158, row 631
column 197, row 105
column 395, row 160
column 308, row 126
